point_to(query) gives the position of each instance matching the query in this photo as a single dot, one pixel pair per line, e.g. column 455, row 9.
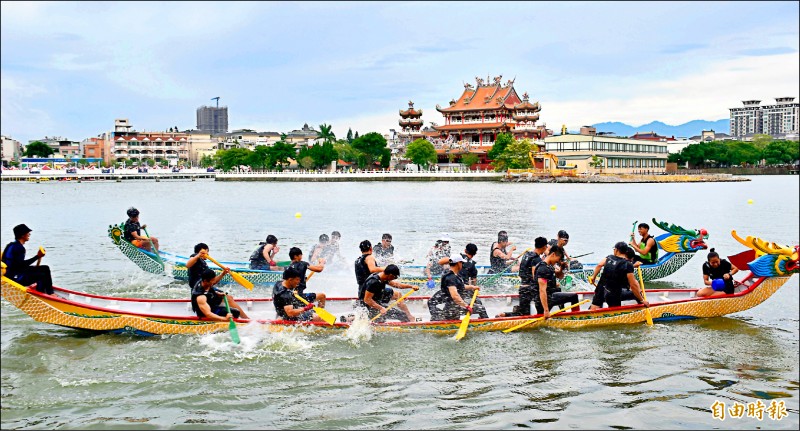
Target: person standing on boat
column 263, row 258
column 287, row 307
column 208, row 301
column 133, row 232
column 548, row 294
column 299, row 265
column 527, row 265
column 646, row 248
column 22, row 270
column 500, row 255
column 384, row 250
column 716, row 269
column 365, row 265
column 439, row 250
column 618, row 283
column 453, row 295
column 375, row 294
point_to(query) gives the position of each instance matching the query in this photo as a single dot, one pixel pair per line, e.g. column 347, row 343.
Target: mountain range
column 687, row 130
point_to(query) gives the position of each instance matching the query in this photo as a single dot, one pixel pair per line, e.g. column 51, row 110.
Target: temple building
column 410, row 123
column 486, row 109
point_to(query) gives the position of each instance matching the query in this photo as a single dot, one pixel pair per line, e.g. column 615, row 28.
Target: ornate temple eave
column 526, row 117
column 411, row 113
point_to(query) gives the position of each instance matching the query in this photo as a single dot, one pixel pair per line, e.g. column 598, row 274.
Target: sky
column 70, row 68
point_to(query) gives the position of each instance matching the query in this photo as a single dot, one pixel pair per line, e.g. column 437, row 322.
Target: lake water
column 619, row 377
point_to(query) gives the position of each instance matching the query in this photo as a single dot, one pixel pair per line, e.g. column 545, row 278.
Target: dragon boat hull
column 174, row 316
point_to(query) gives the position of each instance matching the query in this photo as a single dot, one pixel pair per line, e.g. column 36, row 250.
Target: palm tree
column 325, row 133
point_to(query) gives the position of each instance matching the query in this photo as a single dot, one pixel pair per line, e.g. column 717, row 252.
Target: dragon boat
column 770, row 266
column 166, row 263
column 677, row 246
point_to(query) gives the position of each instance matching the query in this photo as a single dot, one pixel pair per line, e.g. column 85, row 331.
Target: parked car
column 210, row 170
column 72, row 170
column 141, row 170
column 106, row 170
column 176, row 169
column 34, row 170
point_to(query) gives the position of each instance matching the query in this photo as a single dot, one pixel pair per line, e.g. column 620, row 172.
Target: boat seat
column 148, row 305
column 87, row 299
column 249, row 305
column 508, row 300
column 113, row 304
column 664, row 296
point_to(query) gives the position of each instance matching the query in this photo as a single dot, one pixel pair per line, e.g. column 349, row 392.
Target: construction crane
column 217, row 99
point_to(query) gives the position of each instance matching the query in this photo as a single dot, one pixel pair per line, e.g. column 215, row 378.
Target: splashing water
column 360, row 329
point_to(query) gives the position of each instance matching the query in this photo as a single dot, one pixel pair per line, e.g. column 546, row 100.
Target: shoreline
column 390, row 176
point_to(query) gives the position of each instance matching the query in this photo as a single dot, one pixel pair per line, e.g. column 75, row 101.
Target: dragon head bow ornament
column 680, row 240
column 771, row 259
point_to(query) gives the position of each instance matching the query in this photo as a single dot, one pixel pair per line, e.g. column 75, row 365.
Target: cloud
column 758, row 52
column 707, row 94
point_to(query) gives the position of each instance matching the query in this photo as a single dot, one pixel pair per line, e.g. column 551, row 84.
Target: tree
column 325, row 133
column 515, row 156
column 386, row 158
column 208, row 161
column 149, row 162
column 306, row 162
column 345, row 151
column 233, row 157
column 469, row 159
column 356, row 137
column 743, row 153
column 281, row 152
column 371, row 146
column 38, row 149
column 778, row 152
column 597, row 162
column 503, row 140
column 421, row 152
column 349, row 135
column 761, row 141
column 83, row 162
column 259, row 158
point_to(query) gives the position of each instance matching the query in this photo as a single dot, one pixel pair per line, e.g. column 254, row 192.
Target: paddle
column 581, row 255
column 158, row 256
column 462, row 330
column 528, row 322
column 239, row 278
column 321, row 312
column 310, row 275
column 232, row 325
column 402, row 298
column 644, row 297
column 39, row 260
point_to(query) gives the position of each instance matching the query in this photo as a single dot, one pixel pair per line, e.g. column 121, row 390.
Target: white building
column 619, row 155
column 752, row 118
column 10, row 151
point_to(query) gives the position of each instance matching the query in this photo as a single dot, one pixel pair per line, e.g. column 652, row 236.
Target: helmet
column 718, row 284
column 133, row 212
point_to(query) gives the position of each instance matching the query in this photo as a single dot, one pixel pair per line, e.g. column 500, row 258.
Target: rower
column 296, row 255
column 374, row 294
column 499, row 256
column 263, row 257
column 527, row 265
column 365, row 264
column 646, row 248
column 618, row 282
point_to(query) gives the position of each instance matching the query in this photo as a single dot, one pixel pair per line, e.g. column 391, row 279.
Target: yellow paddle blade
column 239, row 278
column 528, row 322
column 462, row 330
column 647, row 315
column 325, row 315
column 321, row 312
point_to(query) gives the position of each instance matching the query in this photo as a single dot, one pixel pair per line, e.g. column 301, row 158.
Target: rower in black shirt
column 287, row 306
column 375, row 294
column 453, row 295
column 299, row 265
column 548, row 294
column 527, row 265
column 196, row 264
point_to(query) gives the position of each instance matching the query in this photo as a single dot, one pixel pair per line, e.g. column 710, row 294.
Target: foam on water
column 360, row 330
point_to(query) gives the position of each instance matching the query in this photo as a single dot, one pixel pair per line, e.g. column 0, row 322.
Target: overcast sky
column 70, row 69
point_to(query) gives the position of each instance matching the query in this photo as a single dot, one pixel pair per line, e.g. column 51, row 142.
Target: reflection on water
column 618, row 377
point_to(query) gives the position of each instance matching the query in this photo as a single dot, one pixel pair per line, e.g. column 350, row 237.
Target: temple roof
column 473, row 126
column 411, row 112
column 484, row 97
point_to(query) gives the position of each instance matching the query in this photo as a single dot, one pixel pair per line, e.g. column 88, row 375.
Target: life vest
column 652, row 256
column 615, row 276
column 526, row 265
column 257, row 260
column 362, row 270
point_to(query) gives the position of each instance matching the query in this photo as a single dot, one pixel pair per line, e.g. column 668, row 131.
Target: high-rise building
column 752, row 118
column 212, row 119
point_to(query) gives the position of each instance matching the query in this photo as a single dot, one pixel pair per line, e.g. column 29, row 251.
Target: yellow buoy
column 552, row 207
column 297, row 215
column 749, row 201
